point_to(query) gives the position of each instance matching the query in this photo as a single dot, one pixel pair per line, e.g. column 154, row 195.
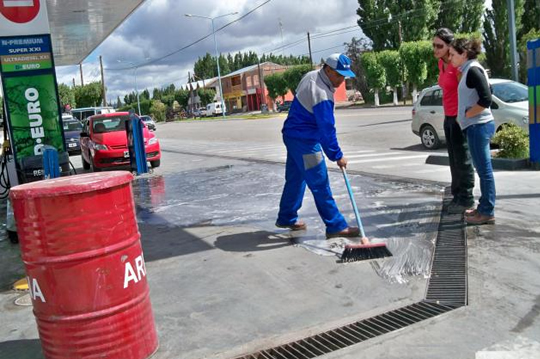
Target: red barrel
column 81, row 248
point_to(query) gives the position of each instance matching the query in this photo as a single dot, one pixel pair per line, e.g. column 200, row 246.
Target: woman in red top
column 459, row 157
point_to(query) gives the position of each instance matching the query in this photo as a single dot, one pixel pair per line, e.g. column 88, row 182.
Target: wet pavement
column 224, row 279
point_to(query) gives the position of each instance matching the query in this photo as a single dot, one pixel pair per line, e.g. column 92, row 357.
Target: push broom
column 361, row 251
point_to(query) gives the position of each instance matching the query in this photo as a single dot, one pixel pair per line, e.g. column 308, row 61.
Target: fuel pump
column 136, row 146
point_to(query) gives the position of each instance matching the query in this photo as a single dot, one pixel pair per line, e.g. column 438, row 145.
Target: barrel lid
column 62, row 186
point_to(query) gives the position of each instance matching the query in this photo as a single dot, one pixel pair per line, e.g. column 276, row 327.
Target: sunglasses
column 438, row 46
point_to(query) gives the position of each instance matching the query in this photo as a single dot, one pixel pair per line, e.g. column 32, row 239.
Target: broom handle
column 353, row 202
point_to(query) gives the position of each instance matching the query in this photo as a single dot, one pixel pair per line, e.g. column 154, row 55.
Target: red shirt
column 448, row 80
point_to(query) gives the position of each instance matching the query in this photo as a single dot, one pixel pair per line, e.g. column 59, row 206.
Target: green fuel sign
column 33, row 111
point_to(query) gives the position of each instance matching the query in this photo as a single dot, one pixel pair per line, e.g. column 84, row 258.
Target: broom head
column 362, row 252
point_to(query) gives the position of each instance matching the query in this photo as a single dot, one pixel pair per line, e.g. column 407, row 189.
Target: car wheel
column 429, row 138
column 85, row 164
column 155, row 163
column 94, row 168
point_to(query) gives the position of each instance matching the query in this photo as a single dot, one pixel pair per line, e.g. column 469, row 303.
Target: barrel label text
column 136, row 274
column 35, row 290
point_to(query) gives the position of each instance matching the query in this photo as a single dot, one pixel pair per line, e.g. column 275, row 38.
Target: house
column 243, row 91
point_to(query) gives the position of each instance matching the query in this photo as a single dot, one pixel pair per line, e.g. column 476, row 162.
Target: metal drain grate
column 354, row 333
column 448, row 280
column 446, row 290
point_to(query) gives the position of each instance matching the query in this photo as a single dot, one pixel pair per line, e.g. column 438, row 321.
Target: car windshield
column 72, row 126
column 109, row 124
column 511, row 91
column 145, row 118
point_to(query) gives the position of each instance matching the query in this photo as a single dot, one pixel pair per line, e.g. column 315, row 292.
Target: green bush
column 513, row 142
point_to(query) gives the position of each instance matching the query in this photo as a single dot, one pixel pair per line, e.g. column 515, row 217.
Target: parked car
column 510, row 105
column 214, row 109
column 149, row 122
column 72, row 134
column 285, row 106
column 200, row 112
column 104, row 142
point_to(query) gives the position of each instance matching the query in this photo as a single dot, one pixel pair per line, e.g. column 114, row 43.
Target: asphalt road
column 374, row 140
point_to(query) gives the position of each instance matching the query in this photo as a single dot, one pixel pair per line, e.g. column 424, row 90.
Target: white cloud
column 159, row 27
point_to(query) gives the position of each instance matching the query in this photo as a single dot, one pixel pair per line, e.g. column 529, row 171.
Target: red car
column 104, row 142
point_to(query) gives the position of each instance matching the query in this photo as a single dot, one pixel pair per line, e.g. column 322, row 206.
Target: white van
column 82, row 114
column 214, row 109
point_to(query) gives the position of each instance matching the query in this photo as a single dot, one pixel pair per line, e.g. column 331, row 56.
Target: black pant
column 460, row 162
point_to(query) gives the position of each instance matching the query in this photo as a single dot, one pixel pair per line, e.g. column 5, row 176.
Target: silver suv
column 510, row 105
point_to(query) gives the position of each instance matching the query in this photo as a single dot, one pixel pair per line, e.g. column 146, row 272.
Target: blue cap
column 340, row 63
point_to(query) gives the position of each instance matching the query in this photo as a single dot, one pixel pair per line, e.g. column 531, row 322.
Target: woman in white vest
column 476, row 120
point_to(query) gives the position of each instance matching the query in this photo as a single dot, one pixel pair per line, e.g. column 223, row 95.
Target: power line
column 193, row 43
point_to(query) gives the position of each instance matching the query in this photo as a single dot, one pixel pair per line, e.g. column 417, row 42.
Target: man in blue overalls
column 308, row 131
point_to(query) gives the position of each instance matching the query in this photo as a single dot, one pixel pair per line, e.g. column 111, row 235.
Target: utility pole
column 309, row 48
column 512, row 34
column 82, row 78
column 103, row 82
column 281, row 30
column 191, row 92
column 261, row 82
column 403, row 86
column 74, row 82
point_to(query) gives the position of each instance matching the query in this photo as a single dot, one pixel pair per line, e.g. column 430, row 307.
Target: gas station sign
column 25, row 53
column 29, row 84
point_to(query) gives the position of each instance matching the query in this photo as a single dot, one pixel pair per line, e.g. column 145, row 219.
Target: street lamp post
column 217, row 53
column 136, row 86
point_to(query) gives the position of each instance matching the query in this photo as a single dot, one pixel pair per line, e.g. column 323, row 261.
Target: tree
column 461, row 15
column 384, row 20
column 414, row 64
column 293, row 75
column 89, row 95
column 416, row 17
column 354, row 50
column 531, row 35
column 391, row 62
column 531, row 18
column 374, row 20
column 206, row 95
column 67, row 96
column 157, row 110
column 496, row 40
column 375, row 75
column 145, row 95
column 276, row 85
column 118, row 102
column 182, row 97
column 156, row 94
column 425, row 48
column 204, row 67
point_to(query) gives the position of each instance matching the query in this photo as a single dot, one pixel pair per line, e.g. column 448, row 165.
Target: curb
column 504, row 164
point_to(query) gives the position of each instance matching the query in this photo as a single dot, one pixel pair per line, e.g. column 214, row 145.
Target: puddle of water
column 403, row 215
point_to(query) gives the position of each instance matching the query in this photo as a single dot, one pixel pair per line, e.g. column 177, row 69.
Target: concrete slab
column 224, row 280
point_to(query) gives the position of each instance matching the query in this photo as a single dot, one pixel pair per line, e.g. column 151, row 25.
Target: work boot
column 298, row 226
column 471, row 212
column 479, row 218
column 347, row 232
column 456, row 208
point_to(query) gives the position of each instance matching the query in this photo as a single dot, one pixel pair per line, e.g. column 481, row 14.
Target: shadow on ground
column 21, row 349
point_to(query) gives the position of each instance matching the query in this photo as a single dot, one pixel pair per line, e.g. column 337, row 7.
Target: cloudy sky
column 159, row 27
